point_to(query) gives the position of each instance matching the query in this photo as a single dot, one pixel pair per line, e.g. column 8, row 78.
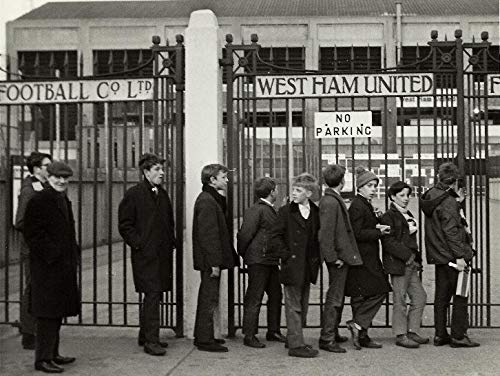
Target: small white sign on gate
column 345, row 125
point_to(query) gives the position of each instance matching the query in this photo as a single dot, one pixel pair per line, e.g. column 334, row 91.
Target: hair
column 305, row 180
column 333, row 175
column 264, row 186
column 211, row 170
column 35, row 160
column 448, row 173
column 397, row 187
column 149, row 160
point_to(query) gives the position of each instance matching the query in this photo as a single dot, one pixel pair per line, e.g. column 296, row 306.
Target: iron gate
column 273, row 135
column 102, row 142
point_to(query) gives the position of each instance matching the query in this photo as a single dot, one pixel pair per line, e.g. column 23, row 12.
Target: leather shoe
column 416, row 338
column 354, row 333
column 154, row 349
column 211, row 347
column 58, row 359
column 141, row 342
column 331, row 346
column 220, row 341
column 252, row 341
column 464, row 342
column 441, row 341
column 275, row 336
column 303, row 352
column 28, row 341
column 340, row 339
column 48, row 367
column 403, row 341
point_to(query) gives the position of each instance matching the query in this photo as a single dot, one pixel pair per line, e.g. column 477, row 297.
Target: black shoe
column 48, row 366
column 340, row 339
column 63, row 359
column 211, row 347
column 355, row 334
column 252, row 341
column 303, row 352
column 441, row 341
column 464, row 342
column 28, row 341
column 275, row 336
column 403, row 341
column 416, row 338
column 141, row 343
column 154, row 349
column 331, row 346
column 220, row 341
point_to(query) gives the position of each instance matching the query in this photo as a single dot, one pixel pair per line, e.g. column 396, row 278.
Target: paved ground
column 113, row 351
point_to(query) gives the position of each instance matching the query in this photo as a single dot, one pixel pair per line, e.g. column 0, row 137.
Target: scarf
column 412, row 224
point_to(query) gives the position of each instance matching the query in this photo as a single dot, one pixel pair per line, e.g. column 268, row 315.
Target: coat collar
column 367, row 204
column 59, row 199
column 295, row 213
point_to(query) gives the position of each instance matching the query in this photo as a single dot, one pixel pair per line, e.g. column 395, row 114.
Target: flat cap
column 58, row 168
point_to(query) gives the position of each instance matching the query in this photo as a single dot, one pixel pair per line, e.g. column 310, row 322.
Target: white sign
column 347, row 85
column 20, row 92
column 494, row 87
column 444, row 98
column 343, row 124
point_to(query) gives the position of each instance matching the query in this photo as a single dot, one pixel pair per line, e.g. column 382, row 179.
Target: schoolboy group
column 279, row 247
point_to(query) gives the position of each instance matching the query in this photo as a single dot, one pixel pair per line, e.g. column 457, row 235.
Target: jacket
column 212, row 245
column 399, row 245
column 253, row 237
column 49, row 230
column 146, row 223
column 289, row 238
column 445, row 236
column 336, row 237
column 368, row 279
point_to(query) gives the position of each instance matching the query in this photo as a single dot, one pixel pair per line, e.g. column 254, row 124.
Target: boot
column 366, row 341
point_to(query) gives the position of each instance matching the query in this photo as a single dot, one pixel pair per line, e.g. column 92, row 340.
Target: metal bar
column 80, row 195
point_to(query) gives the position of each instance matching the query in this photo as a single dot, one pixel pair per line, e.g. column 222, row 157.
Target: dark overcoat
column 399, row 245
column 289, row 238
column 368, row 279
column 336, row 237
column 146, row 223
column 253, row 237
column 212, row 245
column 49, row 231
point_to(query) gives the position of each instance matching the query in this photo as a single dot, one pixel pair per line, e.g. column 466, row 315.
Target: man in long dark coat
column 49, row 230
column 146, row 223
column 37, row 164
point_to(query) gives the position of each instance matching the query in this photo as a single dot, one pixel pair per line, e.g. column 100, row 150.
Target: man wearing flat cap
column 146, row 223
column 49, row 231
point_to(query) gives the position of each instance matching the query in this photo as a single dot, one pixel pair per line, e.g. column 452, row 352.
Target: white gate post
column 203, row 139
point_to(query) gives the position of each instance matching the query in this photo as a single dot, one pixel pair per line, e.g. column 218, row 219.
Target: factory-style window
column 333, row 59
column 50, row 64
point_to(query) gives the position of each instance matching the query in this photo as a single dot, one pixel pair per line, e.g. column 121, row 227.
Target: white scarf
column 412, row 224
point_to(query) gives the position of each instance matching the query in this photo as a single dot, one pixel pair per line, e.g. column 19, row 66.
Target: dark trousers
column 149, row 317
column 208, row 300
column 262, row 278
column 28, row 322
column 296, row 307
column 446, row 284
column 47, row 338
column 364, row 308
column 334, row 302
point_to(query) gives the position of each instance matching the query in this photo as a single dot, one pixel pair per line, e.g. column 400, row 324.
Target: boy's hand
column 339, row 263
column 215, row 272
column 461, row 264
column 384, row 229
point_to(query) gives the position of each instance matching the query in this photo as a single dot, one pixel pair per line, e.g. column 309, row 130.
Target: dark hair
column 397, row 187
column 148, row 160
column 333, row 174
column 448, row 173
column 35, row 160
column 211, row 170
column 264, row 186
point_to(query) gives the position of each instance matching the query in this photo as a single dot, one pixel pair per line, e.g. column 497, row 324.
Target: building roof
column 258, row 8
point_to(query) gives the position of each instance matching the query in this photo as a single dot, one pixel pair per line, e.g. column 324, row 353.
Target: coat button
column 293, row 256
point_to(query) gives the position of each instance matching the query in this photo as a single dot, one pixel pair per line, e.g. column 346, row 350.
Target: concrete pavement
column 104, row 351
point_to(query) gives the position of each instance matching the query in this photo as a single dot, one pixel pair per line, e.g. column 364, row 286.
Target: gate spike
column 445, row 37
column 52, row 64
column 36, row 64
column 229, row 39
column 95, row 63
column 473, row 39
column 125, row 60
column 110, row 61
column 81, row 64
column 167, row 42
column 484, row 36
column 179, row 39
column 66, row 64
column 22, row 64
column 140, row 59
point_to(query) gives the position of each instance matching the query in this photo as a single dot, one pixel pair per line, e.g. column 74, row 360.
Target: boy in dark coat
column 295, row 239
column 37, row 164
column 339, row 251
column 403, row 261
column 49, row 230
column 367, row 284
column 262, row 265
column 446, row 240
column 146, row 223
column 213, row 251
